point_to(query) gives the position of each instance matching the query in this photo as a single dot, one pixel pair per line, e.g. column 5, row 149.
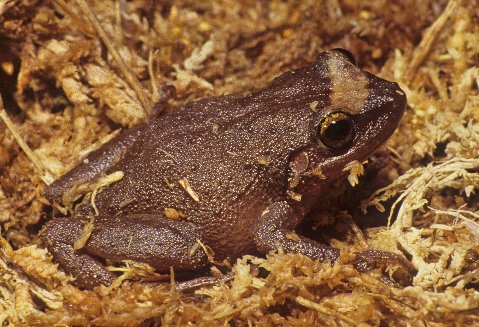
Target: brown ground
column 66, row 93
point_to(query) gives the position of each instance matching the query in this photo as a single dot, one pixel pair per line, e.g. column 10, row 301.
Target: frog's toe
column 403, row 270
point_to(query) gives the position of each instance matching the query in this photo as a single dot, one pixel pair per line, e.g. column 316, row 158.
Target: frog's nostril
column 400, row 99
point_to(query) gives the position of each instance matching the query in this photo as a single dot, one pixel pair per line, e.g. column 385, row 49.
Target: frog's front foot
column 276, row 229
column 154, row 240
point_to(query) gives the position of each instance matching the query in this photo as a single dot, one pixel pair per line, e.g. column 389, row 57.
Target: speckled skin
column 239, row 154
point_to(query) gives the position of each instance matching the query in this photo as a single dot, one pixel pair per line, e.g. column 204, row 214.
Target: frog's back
column 206, row 159
column 218, row 163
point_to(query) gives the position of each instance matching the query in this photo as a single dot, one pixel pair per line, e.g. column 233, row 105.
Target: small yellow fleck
column 294, row 181
column 176, row 31
column 62, row 210
column 355, row 169
column 287, row 33
column 295, row 16
column 7, row 67
column 314, row 106
column 215, row 128
column 318, row 172
column 172, row 213
column 167, row 182
column 364, row 14
column 295, row 196
column 204, row 27
column 186, row 185
column 92, row 201
column 292, row 236
column 399, row 92
column 193, row 249
column 87, row 230
column 377, row 53
column 264, row 160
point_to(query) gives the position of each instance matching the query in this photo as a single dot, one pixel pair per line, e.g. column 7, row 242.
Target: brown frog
column 236, row 172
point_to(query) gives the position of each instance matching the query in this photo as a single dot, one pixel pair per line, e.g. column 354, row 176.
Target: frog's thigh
column 276, row 229
column 153, row 239
column 145, row 238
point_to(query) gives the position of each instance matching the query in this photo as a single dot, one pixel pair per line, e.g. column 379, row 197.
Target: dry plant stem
column 415, row 183
column 2, row 6
column 155, row 92
column 11, row 127
column 357, row 231
column 422, row 50
column 76, row 19
column 130, row 78
column 470, row 223
column 315, row 306
column 117, row 27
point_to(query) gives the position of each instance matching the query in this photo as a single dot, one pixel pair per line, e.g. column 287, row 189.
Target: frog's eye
column 336, row 130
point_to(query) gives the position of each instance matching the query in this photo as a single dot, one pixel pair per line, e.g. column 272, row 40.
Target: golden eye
column 336, row 130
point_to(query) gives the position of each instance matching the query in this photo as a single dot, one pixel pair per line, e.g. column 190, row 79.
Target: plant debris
column 72, row 74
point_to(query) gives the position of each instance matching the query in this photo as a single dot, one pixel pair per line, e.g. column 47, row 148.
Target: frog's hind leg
column 150, row 239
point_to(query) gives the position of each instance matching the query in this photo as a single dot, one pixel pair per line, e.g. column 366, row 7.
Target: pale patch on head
column 349, row 84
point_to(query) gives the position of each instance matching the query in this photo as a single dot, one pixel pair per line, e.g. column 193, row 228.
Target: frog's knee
column 60, row 230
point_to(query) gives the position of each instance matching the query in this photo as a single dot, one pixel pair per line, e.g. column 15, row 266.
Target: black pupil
column 338, row 130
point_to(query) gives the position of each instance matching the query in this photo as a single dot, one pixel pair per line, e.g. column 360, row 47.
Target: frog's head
column 362, row 112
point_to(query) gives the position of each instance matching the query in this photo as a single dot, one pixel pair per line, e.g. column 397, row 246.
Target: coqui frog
column 236, row 173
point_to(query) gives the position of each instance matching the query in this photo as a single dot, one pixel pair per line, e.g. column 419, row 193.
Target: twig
column 315, row 306
column 472, row 224
column 155, row 93
column 75, row 18
column 356, row 230
column 130, row 78
column 33, row 158
column 5, row 5
column 429, row 38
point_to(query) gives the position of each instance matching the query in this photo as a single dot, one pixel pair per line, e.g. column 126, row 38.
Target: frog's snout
column 399, row 101
column 391, row 102
column 387, row 95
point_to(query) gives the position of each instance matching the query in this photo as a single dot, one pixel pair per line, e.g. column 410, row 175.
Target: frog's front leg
column 102, row 160
column 95, row 164
column 276, row 229
column 151, row 239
